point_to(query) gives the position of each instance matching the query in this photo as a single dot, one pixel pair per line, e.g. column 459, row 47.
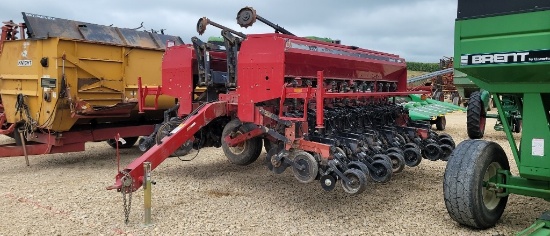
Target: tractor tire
column 248, row 151
column 476, row 116
column 440, row 123
column 466, row 200
column 130, row 141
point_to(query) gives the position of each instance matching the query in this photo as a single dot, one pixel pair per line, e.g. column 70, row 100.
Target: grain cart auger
column 510, row 59
column 322, row 109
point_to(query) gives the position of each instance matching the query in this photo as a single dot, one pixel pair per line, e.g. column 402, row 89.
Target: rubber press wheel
column 130, row 141
column 476, row 116
column 309, row 165
column 246, row 152
column 358, row 181
column 473, row 163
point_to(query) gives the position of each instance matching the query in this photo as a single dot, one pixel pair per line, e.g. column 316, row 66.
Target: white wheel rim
column 490, row 198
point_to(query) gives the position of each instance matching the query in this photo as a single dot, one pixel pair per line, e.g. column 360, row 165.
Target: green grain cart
column 504, row 46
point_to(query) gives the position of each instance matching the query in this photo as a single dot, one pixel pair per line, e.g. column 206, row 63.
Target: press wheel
column 357, row 183
column 309, row 165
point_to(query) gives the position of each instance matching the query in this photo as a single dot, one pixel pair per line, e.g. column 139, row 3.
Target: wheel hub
column 239, row 148
column 490, row 198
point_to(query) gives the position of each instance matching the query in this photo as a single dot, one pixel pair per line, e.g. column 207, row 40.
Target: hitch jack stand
column 147, row 193
column 24, row 146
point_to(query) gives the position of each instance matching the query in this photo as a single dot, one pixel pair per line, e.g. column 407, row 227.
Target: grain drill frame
column 321, row 109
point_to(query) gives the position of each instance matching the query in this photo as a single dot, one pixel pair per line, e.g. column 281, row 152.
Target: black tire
column 311, row 167
column 432, row 152
column 413, row 157
column 397, row 162
column 359, row 181
column 476, row 116
column 359, row 165
column 394, row 150
column 440, row 123
column 165, row 130
column 410, row 145
column 248, row 152
column 446, row 152
column 463, row 183
column 381, row 157
column 383, row 171
column 448, row 141
column 130, row 141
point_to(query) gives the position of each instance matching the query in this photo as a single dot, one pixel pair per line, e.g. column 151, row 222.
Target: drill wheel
column 357, row 183
column 310, row 167
column 397, row 162
column 412, row 156
column 383, row 171
column 447, row 141
column 246, row 152
column 433, row 152
column 328, row 182
column 394, row 150
column 360, row 166
column 446, row 152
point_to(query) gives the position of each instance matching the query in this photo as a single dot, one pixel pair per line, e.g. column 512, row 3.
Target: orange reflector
column 297, row 90
column 423, row 97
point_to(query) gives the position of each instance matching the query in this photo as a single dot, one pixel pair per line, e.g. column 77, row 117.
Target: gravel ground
column 64, row 194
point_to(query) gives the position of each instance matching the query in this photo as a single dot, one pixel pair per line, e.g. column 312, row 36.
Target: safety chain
column 126, row 190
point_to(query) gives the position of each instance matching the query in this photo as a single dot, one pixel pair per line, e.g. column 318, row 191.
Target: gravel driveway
column 64, row 194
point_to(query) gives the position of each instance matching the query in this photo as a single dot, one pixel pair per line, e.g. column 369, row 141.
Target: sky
column 417, row 30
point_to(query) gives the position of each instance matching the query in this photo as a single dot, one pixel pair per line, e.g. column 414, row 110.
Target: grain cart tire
column 309, row 164
column 475, row 119
column 397, row 162
column 440, row 123
column 383, row 172
column 358, row 181
column 245, row 153
column 466, row 200
column 130, row 141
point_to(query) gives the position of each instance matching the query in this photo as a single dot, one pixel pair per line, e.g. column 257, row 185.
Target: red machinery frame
column 264, row 62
